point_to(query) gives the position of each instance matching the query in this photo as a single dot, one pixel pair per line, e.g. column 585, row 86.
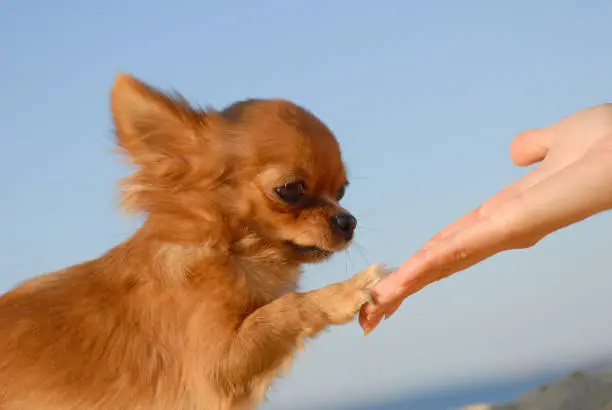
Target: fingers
column 531, row 146
column 444, row 258
column 369, row 317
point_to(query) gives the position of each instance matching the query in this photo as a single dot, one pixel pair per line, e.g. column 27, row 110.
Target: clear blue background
column 424, row 97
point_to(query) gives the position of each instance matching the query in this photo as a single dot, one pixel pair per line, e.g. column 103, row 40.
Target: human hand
column 572, row 182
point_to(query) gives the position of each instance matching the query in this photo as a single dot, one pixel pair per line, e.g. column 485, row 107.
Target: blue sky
column 424, row 97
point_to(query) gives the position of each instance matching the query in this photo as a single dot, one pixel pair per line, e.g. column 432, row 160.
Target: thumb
column 530, row 146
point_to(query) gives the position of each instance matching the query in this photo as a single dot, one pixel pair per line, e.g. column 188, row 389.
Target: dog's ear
column 149, row 123
column 165, row 138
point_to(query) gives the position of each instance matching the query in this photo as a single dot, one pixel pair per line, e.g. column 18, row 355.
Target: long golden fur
column 199, row 308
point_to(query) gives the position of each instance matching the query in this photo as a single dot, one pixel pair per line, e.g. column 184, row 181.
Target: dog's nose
column 344, row 224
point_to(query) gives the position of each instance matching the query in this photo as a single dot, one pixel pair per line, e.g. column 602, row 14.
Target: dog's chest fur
column 260, row 285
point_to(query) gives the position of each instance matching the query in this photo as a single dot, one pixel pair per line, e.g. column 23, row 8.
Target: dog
column 199, row 309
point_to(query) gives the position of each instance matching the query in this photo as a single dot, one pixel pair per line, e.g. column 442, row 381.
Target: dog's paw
column 369, row 277
column 341, row 301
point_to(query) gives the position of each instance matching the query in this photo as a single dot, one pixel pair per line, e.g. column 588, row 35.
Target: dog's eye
column 341, row 193
column 291, row 192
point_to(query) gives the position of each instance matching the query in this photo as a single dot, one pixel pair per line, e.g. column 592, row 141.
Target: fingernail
column 368, row 328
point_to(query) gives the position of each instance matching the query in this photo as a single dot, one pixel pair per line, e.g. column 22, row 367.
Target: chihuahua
column 199, row 309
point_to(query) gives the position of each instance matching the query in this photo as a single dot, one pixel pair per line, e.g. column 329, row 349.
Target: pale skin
column 571, row 182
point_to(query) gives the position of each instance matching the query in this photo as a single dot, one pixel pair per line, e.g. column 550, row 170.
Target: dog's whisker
column 362, row 252
column 367, row 212
column 349, row 261
column 367, row 228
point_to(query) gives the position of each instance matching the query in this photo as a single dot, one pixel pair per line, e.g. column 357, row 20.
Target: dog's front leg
column 269, row 335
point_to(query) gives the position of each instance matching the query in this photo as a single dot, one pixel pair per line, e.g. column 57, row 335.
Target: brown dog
column 198, row 309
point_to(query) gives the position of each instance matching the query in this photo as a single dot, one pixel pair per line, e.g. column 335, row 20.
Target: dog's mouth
column 309, row 250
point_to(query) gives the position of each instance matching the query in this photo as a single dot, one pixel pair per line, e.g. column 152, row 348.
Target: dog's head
column 259, row 170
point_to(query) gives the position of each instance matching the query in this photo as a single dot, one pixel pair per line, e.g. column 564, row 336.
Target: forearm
column 268, row 337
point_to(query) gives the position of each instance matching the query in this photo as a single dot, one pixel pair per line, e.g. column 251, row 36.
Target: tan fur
column 198, row 309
